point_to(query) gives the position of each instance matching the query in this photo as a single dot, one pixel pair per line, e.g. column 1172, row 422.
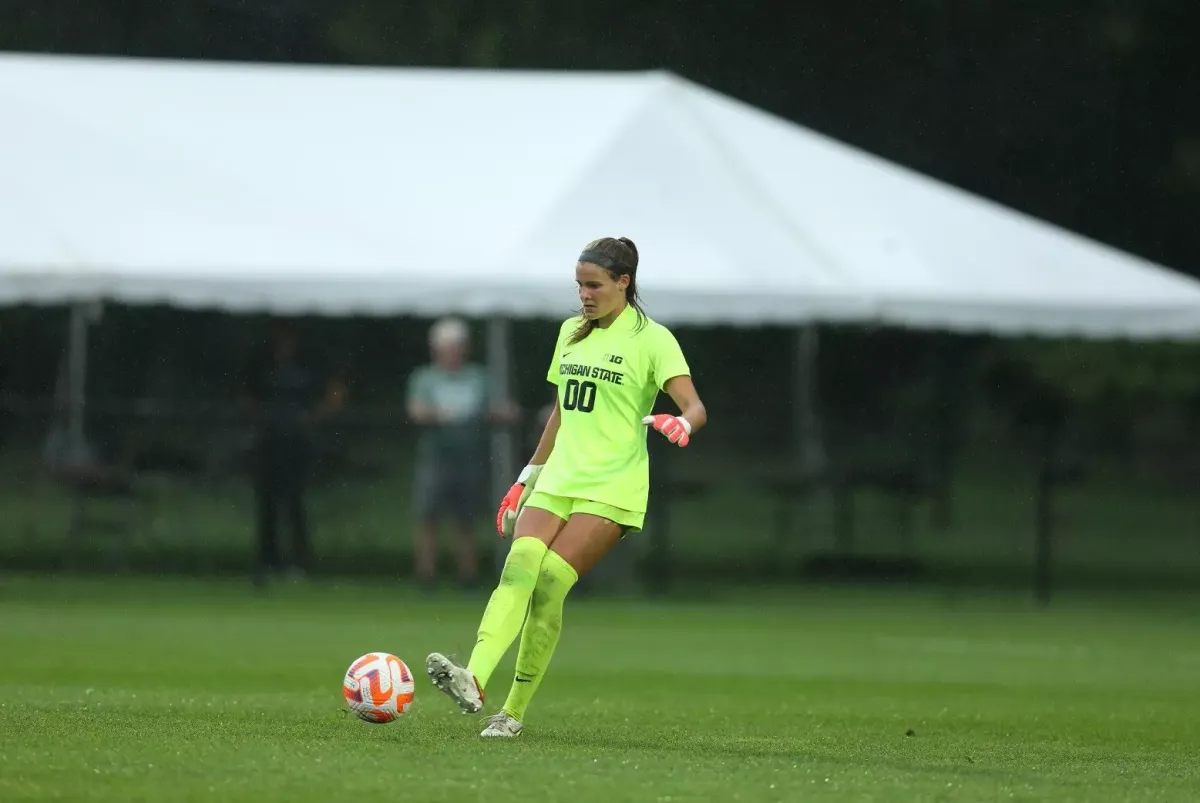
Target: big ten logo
column 615, row 359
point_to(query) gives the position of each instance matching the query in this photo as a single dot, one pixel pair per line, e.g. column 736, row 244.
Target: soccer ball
column 378, row 687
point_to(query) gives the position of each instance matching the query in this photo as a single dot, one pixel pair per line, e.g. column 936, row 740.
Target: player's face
column 599, row 293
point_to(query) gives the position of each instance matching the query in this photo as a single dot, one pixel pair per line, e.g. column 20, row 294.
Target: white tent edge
column 1089, row 322
column 63, row 285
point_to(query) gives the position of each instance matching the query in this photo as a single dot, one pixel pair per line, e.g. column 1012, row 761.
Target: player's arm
column 514, row 500
column 682, row 391
column 678, row 429
column 671, row 371
column 549, row 435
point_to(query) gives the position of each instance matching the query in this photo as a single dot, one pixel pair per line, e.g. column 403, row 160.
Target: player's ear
column 623, row 281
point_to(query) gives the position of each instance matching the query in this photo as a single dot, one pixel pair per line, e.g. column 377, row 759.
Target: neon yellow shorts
column 565, row 506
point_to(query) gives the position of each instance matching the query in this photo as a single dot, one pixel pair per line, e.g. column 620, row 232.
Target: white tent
column 382, row 191
column 385, row 191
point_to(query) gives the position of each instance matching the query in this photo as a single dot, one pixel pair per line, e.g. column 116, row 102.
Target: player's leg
column 536, row 529
column 579, row 547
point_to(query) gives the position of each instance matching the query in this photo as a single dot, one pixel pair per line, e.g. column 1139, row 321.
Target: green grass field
column 149, row 690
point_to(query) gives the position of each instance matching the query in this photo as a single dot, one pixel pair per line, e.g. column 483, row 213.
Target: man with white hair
column 452, row 400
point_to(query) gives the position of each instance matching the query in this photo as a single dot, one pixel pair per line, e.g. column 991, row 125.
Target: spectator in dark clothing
column 286, row 404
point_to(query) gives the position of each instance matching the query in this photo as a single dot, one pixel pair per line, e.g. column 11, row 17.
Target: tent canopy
column 380, row 191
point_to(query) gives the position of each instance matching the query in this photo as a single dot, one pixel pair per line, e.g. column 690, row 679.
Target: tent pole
column 77, row 339
column 809, row 446
column 500, row 371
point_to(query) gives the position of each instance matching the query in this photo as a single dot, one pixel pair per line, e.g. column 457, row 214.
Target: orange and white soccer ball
column 378, row 687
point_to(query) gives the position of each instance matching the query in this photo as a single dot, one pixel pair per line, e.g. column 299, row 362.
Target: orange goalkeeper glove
column 514, row 500
column 675, row 429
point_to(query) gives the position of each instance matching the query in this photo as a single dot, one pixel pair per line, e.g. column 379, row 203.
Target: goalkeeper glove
column 514, row 500
column 676, row 429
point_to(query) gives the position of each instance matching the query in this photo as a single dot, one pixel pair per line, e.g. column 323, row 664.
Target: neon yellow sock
column 506, row 609
column 540, row 635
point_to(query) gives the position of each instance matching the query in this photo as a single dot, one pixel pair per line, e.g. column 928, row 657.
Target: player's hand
column 514, row 500
column 675, row 429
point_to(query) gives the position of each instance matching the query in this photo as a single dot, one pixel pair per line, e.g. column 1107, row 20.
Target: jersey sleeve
column 666, row 358
column 563, row 332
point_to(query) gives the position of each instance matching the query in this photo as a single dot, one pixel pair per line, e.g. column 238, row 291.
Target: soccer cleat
column 455, row 681
column 502, row 726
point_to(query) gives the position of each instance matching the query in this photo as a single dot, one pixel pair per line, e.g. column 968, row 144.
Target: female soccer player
column 587, row 484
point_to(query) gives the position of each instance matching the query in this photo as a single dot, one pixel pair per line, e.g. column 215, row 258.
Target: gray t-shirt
column 466, row 395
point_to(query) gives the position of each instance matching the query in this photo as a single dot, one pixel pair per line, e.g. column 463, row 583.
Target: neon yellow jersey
column 607, row 384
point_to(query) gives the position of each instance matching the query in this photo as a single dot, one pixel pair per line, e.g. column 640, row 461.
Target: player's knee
column 541, row 592
column 546, row 602
column 521, row 566
column 545, row 613
column 553, row 582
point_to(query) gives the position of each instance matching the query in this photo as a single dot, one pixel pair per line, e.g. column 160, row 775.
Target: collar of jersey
column 622, row 322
